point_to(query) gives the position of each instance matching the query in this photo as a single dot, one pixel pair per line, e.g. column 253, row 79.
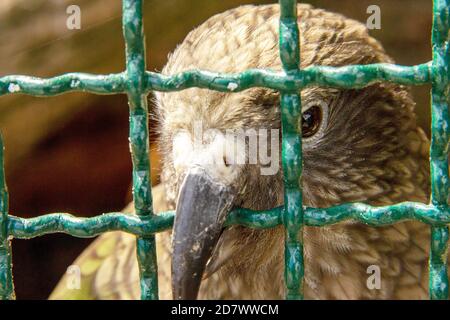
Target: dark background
column 70, row 153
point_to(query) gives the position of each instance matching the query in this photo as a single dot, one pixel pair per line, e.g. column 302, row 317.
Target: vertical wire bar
column 291, row 153
column 438, row 282
column 6, row 279
column 139, row 141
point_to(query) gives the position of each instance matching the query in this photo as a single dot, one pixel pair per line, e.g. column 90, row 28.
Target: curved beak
column 203, row 205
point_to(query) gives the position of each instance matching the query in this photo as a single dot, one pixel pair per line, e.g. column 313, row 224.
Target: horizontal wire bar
column 356, row 76
column 22, row 228
column 265, row 219
column 69, row 82
column 379, row 216
column 143, row 226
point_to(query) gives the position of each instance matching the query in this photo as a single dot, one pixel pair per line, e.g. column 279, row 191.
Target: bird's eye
column 311, row 121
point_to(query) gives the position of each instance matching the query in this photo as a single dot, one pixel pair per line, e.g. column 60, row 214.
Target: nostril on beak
column 225, row 161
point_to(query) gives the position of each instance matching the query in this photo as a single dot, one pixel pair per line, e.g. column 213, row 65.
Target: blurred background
column 70, row 153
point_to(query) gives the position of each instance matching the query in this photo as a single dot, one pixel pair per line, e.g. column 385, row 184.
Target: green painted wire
column 354, row 76
column 291, row 154
column 440, row 131
column 6, row 282
column 133, row 32
column 143, row 226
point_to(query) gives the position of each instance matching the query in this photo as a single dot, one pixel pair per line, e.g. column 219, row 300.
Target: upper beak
column 203, row 205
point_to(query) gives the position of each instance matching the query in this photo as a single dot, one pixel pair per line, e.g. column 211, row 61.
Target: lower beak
column 203, row 205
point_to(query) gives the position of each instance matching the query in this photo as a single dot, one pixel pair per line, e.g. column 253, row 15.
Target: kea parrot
column 359, row 145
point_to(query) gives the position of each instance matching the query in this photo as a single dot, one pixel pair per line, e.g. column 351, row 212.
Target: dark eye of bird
column 311, row 120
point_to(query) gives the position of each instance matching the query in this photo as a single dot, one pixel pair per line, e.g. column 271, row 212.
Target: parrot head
column 223, row 150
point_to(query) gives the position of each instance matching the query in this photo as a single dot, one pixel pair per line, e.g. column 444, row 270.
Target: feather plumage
column 372, row 151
